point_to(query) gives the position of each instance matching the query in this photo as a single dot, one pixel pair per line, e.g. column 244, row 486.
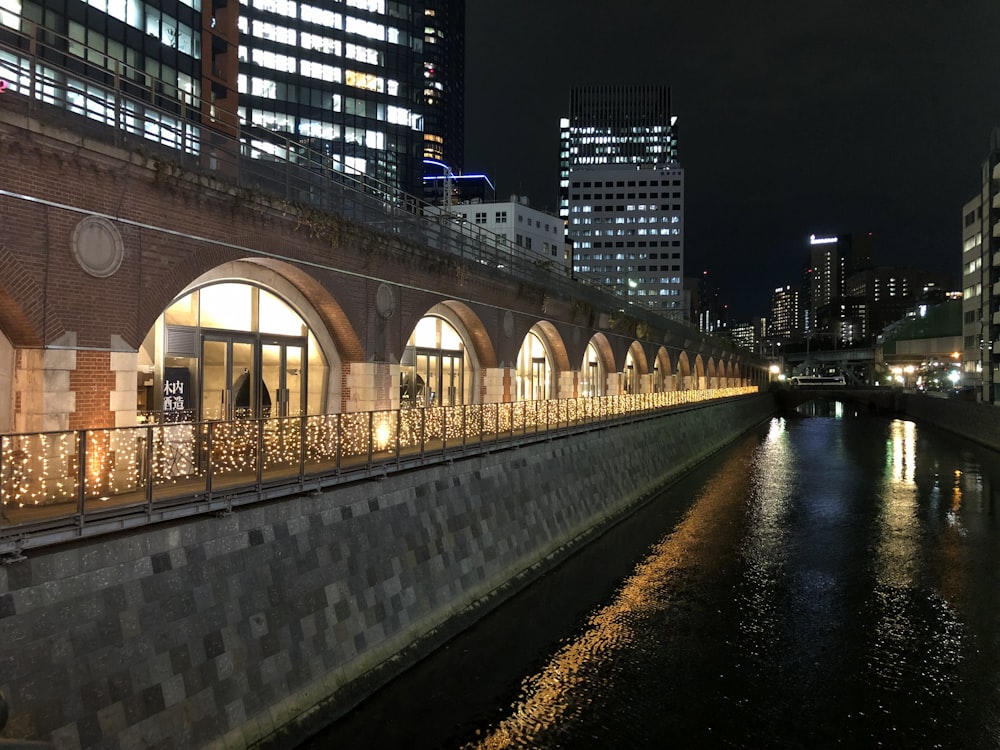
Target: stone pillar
column 614, row 384
column 368, row 386
column 498, row 385
column 43, row 399
column 8, row 358
column 566, row 385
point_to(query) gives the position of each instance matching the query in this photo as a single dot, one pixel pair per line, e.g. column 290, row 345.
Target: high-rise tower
column 628, row 124
column 623, row 194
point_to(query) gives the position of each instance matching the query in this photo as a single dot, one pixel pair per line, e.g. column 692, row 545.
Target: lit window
column 366, row 81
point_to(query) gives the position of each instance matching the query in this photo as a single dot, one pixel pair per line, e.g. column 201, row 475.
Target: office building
column 980, row 274
column 623, row 194
column 832, row 260
column 615, row 125
column 375, row 86
column 626, row 226
column 528, row 232
column 877, row 297
column 745, row 334
column 786, row 314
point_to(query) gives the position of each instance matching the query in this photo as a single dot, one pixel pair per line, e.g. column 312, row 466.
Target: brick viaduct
column 73, row 312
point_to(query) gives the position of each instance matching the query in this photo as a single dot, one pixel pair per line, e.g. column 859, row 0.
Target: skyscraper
column 833, row 259
column 616, row 125
column 623, row 194
column 374, row 85
column 786, row 314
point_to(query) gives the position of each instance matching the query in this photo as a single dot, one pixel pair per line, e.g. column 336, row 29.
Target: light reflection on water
column 620, row 640
column 821, row 591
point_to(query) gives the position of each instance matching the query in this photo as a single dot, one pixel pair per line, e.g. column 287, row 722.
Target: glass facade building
column 374, row 85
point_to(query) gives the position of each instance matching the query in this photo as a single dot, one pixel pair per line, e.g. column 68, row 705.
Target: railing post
column 260, row 452
column 33, row 65
column 371, row 437
column 148, row 460
column 3, row 440
column 81, row 474
column 423, row 431
column 399, row 429
column 208, row 458
column 340, row 440
column 303, row 426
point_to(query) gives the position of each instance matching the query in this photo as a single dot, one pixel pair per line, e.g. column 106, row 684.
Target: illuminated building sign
column 176, row 389
column 814, row 240
column 3, row 85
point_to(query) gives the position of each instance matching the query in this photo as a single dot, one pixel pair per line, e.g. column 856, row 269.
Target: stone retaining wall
column 257, row 628
column 973, row 420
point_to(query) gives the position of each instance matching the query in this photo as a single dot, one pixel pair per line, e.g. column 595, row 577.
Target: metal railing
column 57, row 486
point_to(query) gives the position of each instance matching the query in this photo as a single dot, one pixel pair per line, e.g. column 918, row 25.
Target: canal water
column 831, row 580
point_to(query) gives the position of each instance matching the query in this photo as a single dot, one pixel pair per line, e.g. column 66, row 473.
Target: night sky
column 794, row 118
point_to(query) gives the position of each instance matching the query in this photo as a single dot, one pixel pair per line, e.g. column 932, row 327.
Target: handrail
column 63, row 485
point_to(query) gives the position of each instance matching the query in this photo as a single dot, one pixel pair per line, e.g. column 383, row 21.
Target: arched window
column 663, row 376
column 231, row 350
column 591, row 373
column 534, row 372
column 436, row 368
column 630, row 377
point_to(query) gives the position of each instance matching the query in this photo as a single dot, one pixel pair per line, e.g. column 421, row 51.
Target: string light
column 42, row 471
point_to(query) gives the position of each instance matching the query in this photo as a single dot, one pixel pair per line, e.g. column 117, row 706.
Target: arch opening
column 438, row 366
column 233, row 349
column 534, row 373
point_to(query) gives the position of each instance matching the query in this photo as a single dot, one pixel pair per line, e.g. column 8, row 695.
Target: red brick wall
column 92, row 381
column 175, row 227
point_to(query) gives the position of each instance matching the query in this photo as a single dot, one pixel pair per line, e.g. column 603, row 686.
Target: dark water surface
column 828, row 581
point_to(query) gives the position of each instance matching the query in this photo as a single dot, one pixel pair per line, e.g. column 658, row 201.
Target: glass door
column 451, row 379
column 538, row 385
column 439, row 378
column 229, row 386
column 427, row 372
column 283, row 378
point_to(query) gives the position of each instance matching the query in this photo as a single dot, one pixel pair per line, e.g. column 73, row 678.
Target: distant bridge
column 872, row 399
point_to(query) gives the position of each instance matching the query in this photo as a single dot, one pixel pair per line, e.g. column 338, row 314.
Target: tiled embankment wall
column 258, row 627
column 974, row 420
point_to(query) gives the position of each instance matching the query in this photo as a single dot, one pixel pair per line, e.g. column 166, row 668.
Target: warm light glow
column 42, row 470
column 383, row 432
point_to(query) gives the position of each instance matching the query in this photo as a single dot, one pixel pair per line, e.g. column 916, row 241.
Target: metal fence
column 56, row 486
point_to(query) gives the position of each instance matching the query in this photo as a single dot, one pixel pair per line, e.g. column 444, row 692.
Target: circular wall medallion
column 385, row 301
column 508, row 324
column 98, row 246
